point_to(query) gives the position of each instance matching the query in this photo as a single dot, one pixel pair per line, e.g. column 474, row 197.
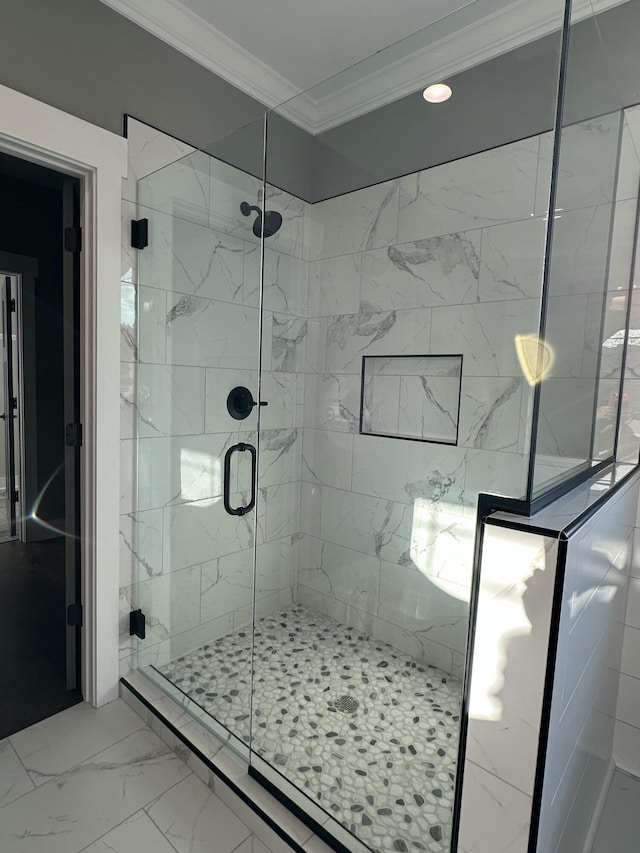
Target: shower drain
column 347, row 704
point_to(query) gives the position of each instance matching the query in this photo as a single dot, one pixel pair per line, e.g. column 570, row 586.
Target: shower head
column 269, row 223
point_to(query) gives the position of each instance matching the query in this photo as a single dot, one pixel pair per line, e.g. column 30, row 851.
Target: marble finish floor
column 100, row 781
column 619, row 827
column 363, row 729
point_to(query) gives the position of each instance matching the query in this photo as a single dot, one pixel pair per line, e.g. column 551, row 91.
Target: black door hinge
column 16, row 497
column 73, row 435
column 139, row 233
column 74, row 614
column 14, row 403
column 12, row 305
column 73, row 239
column 137, row 624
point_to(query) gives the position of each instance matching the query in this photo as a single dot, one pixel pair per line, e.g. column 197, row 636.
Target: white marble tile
column 170, row 400
column 629, row 700
column 128, row 399
column 484, row 334
column 138, row 832
column 495, row 817
column 140, row 546
column 202, row 530
column 429, row 407
column 511, row 260
column 381, row 404
column 495, row 472
column 350, row 336
column 316, row 349
column 365, row 219
column 180, row 189
column 327, row 458
column 190, row 815
column 334, row 286
column 150, row 149
column 127, row 478
column 290, row 238
column 288, row 339
column 209, row 333
column 310, row 508
column 280, row 392
column 406, row 471
column 332, row 401
column 370, row 525
column 84, row 803
column 273, row 567
column 187, row 258
column 629, row 168
column 416, row 645
column 54, row 745
column 282, row 504
column 580, row 249
column 490, row 413
column 254, row 845
column 153, row 325
column 322, row 603
column 413, row 601
column 587, row 165
column 171, row 602
column 485, row 189
column 347, row 576
column 285, row 280
column 128, row 342
column 14, row 779
column 438, row 271
column 279, row 458
column 227, row 584
column 564, row 426
column 569, row 333
column 507, row 694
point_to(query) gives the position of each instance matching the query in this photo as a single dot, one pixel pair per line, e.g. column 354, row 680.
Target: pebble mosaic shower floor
column 363, row 729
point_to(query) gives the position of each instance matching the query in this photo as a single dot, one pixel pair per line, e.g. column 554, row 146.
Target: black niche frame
column 449, row 355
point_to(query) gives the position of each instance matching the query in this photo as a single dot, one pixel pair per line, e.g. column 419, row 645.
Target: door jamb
column 35, row 131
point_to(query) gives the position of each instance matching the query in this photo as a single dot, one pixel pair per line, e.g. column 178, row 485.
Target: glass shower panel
column 423, row 248
column 198, row 353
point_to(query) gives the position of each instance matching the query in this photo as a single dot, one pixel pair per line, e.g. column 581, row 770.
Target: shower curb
column 229, row 778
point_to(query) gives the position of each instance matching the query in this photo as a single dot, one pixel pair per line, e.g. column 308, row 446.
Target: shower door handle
column 239, row 510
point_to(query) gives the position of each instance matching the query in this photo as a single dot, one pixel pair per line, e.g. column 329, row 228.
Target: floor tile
column 83, row 804
column 192, row 817
column 14, row 779
column 138, row 833
column 71, row 737
column 619, row 828
column 253, row 845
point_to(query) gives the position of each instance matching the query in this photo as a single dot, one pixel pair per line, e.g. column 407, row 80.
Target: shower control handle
column 240, row 448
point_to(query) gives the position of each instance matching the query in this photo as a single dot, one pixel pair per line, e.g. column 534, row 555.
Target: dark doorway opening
column 40, row 593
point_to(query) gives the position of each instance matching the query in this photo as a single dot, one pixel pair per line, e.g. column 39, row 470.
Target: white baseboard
column 597, row 812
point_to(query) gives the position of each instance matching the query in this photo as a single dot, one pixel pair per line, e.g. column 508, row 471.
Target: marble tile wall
column 446, row 261
column 184, row 560
column 590, row 261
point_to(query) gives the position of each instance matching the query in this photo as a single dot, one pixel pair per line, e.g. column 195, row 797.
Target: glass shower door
column 194, row 525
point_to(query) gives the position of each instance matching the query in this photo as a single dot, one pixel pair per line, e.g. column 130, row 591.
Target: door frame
column 35, row 131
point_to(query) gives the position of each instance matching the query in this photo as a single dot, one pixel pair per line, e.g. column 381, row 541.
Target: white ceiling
column 276, row 49
column 306, row 41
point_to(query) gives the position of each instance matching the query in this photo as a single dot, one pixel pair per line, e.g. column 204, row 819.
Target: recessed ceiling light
column 437, row 93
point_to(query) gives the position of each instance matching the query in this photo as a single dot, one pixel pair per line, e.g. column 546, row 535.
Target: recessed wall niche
column 411, row 396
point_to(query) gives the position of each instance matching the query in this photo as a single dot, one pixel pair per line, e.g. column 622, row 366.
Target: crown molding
column 509, row 28
column 172, row 22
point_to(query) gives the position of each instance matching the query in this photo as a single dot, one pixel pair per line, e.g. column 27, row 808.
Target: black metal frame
column 362, row 431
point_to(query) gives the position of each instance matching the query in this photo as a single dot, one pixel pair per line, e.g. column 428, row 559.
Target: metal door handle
column 239, row 510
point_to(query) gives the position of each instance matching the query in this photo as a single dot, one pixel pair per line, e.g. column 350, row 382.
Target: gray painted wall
column 86, row 59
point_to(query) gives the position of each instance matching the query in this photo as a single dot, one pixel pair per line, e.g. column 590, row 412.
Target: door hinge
column 12, row 305
column 74, row 614
column 73, row 239
column 139, row 233
column 73, row 435
column 137, row 622
column 14, row 403
column 16, row 497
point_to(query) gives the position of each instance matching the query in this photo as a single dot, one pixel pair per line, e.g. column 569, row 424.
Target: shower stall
column 349, row 320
